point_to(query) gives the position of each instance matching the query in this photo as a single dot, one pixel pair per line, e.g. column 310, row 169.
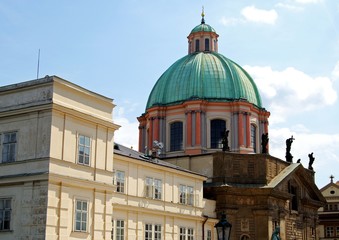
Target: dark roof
column 128, row 152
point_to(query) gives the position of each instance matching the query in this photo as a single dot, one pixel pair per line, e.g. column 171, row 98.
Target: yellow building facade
column 58, row 179
column 158, row 199
column 329, row 214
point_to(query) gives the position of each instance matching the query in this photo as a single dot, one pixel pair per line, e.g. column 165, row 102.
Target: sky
column 120, row 48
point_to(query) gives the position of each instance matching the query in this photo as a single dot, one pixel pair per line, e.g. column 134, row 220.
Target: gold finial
column 202, row 16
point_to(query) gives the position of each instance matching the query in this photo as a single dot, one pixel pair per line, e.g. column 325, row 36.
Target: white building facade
column 59, row 179
column 158, row 200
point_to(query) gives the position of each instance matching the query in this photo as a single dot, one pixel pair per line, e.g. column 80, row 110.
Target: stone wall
column 245, row 168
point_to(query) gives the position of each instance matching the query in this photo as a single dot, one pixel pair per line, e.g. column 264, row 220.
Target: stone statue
column 276, row 234
column 225, row 146
column 310, row 156
column 289, row 157
column 264, row 142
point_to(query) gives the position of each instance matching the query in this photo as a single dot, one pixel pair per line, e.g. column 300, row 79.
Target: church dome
column 206, row 76
column 203, row 28
column 203, row 74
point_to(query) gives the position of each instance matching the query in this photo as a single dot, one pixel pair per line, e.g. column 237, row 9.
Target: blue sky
column 120, row 49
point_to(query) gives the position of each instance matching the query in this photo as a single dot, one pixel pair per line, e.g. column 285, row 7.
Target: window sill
column 123, row 193
column 83, row 164
column 5, row 230
column 80, row 233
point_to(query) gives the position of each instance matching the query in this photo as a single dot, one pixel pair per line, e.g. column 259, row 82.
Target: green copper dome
column 203, row 28
column 207, row 76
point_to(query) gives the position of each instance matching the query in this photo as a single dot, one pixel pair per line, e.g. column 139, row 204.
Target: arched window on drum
column 254, row 137
column 218, row 127
column 176, row 136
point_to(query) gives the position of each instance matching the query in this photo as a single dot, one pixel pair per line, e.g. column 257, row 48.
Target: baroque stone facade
column 259, row 192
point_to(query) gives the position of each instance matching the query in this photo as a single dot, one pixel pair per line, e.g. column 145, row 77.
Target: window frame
column 81, row 212
column 186, row 233
column 217, row 130
column 186, row 194
column 152, row 231
column 120, row 181
column 329, row 231
column 209, row 235
column 148, row 231
column 207, row 44
column 153, row 188
column 190, row 234
column 85, row 147
column 197, row 45
column 10, row 146
column 182, row 233
column 118, row 229
column 254, row 137
column 6, row 211
column 176, row 129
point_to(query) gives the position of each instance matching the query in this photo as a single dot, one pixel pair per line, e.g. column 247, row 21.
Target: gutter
column 203, row 226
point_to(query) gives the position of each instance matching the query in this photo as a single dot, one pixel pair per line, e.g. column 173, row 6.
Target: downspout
column 203, row 226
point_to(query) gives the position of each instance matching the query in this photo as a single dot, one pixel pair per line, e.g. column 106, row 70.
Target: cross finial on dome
column 202, row 16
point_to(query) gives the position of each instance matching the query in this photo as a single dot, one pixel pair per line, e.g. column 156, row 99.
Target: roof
column 301, row 172
column 128, row 152
column 203, row 28
column 205, row 76
column 282, row 175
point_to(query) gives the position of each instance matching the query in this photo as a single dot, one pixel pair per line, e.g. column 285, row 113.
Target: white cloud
column 289, row 7
column 230, row 21
column 253, row 14
column 127, row 134
column 291, row 91
column 324, row 147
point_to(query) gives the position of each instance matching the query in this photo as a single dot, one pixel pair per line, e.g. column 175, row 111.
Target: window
column 293, row 192
column 84, row 148
column 331, row 207
column 153, row 188
column 182, row 233
column 186, row 233
column 119, row 230
column 254, row 137
column 120, row 181
column 148, row 231
column 5, row 213
column 218, row 128
column 197, row 45
column 81, row 214
column 152, row 232
column 9, row 144
column 190, row 234
column 209, row 235
column 186, row 195
column 176, row 136
column 329, row 231
column 157, row 232
column 207, row 44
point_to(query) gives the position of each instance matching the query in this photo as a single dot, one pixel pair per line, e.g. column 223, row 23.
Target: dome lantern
column 202, row 38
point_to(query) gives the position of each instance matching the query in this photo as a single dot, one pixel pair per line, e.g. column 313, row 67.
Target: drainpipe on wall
column 203, row 226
